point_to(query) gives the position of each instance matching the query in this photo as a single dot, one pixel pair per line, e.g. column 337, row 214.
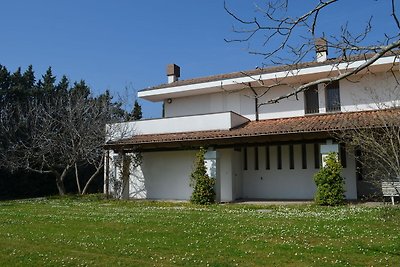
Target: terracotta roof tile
column 266, row 70
column 283, row 126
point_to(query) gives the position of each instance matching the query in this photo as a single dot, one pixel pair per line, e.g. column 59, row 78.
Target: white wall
column 205, row 122
column 361, row 93
column 288, row 183
column 369, row 92
column 167, row 174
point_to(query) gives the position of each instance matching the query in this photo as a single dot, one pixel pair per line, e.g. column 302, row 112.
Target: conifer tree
column 330, row 183
column 203, row 185
column 48, row 81
column 136, row 112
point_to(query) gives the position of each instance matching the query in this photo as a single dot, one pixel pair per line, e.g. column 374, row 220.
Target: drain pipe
column 255, row 102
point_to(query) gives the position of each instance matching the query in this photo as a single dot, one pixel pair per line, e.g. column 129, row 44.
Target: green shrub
column 330, row 183
column 203, row 186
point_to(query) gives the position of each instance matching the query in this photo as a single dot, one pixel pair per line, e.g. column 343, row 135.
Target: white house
column 254, row 151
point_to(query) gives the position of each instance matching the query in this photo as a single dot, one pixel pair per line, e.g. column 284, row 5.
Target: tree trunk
column 98, row 169
column 77, row 179
column 60, row 180
column 60, row 185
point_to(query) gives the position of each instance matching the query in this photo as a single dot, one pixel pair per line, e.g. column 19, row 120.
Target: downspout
column 255, row 102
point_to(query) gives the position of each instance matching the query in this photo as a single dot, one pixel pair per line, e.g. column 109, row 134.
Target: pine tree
column 29, row 78
column 136, row 112
column 203, row 186
column 63, row 85
column 48, row 81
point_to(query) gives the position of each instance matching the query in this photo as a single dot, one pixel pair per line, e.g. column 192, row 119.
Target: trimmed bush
column 330, row 183
column 203, row 186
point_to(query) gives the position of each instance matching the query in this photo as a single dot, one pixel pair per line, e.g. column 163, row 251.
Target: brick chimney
column 173, row 72
column 321, row 47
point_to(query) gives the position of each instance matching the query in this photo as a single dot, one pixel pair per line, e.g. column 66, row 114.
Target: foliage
column 136, row 112
column 330, row 183
column 203, row 185
column 65, row 231
column 52, row 128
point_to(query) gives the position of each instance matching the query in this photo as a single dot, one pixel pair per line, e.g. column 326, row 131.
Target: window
column 256, row 158
column 279, row 157
column 304, row 156
column 316, row 156
column 311, row 100
column 343, row 158
column 291, row 157
column 332, row 97
column 267, row 158
column 245, row 158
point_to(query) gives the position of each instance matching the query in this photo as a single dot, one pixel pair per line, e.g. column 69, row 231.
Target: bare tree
column 57, row 131
column 377, row 148
column 287, row 37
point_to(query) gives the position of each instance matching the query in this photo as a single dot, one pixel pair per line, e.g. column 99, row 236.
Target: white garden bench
column 391, row 189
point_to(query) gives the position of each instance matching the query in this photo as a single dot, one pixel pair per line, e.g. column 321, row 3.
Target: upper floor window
column 311, row 100
column 332, row 96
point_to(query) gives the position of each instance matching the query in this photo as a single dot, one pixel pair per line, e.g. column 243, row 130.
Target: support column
column 326, row 149
column 225, row 174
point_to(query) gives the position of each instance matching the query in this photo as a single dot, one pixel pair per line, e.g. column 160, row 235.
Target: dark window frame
column 267, row 158
column 317, row 156
column 279, row 157
column 304, row 156
column 256, row 167
column 245, row 166
column 331, row 89
column 343, row 156
column 291, row 157
column 311, row 100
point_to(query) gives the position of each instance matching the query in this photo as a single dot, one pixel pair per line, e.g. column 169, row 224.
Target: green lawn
column 94, row 232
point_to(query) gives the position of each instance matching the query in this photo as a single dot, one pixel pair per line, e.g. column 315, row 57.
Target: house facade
column 256, row 149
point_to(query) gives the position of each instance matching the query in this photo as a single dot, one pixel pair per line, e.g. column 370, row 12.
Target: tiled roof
column 319, row 123
column 267, row 70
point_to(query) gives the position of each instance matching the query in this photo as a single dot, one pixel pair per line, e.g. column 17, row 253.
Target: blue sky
column 125, row 45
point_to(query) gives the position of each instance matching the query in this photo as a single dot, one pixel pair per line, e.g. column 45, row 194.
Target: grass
column 95, row 232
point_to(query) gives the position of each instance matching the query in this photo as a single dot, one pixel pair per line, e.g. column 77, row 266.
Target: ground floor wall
column 251, row 172
column 162, row 175
column 276, row 177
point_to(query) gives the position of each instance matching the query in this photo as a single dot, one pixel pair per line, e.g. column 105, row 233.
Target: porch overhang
column 310, row 128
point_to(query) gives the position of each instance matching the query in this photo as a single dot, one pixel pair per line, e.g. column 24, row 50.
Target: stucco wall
column 288, row 183
column 167, row 174
column 362, row 92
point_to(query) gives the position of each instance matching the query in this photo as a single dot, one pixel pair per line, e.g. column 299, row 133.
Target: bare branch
column 344, row 75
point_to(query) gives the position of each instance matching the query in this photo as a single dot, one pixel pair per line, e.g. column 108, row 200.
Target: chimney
column 321, row 47
column 173, row 72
